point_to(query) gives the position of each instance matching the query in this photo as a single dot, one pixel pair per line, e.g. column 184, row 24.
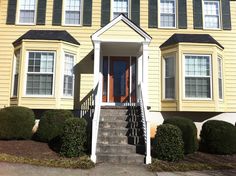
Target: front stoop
column 120, row 136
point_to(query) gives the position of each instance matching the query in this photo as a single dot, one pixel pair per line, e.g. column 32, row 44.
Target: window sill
column 39, row 96
column 25, row 24
column 198, row 99
column 72, row 25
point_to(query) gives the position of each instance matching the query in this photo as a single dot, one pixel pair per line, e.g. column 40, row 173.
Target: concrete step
column 120, row 158
column 119, row 124
column 128, row 118
column 121, row 139
column 120, row 132
column 113, row 112
column 120, row 148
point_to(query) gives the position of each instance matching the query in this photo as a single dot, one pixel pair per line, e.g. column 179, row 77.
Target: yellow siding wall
column 9, row 33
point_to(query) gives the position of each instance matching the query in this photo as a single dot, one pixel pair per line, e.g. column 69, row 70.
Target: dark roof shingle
column 60, row 35
column 190, row 38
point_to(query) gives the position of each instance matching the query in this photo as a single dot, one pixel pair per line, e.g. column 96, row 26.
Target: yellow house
column 168, row 57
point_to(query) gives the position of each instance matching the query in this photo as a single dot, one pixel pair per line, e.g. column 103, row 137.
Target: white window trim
column 18, row 14
column 64, row 14
column 112, row 7
column 26, row 73
column 184, row 76
column 63, row 67
column 220, row 14
column 164, row 77
column 222, row 80
column 14, row 72
column 159, row 16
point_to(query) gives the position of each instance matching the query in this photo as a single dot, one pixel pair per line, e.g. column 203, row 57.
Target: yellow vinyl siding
column 84, row 81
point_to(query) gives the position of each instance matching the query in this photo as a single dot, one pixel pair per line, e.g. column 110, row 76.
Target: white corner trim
column 95, row 36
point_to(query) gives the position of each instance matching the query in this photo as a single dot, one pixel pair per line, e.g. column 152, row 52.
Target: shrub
column 169, row 144
column 16, row 123
column 74, row 137
column 218, row 137
column 189, row 133
column 51, row 124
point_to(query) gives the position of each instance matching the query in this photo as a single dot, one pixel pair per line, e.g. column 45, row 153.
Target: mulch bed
column 28, row 149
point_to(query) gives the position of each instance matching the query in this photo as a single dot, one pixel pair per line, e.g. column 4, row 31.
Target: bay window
column 168, row 13
column 68, row 75
column 40, row 73
column 169, row 77
column 16, row 72
column 211, row 11
column 27, row 11
column 120, row 6
column 197, row 76
column 72, row 12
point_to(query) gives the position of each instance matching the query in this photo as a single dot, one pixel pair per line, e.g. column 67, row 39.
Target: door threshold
column 118, row 104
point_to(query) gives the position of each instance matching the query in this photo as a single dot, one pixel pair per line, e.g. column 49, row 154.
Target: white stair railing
column 146, row 122
column 96, row 117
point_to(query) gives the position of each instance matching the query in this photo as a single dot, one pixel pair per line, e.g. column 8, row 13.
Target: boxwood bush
column 168, row 143
column 218, row 137
column 189, row 132
column 16, row 123
column 74, row 137
column 51, row 124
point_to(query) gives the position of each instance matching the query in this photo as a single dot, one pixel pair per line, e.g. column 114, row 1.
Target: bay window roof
column 190, row 38
column 60, row 35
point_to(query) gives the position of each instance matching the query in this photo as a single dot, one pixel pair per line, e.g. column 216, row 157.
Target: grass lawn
column 196, row 161
column 38, row 153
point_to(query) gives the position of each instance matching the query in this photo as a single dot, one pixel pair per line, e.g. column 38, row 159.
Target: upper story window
column 120, row 6
column 211, row 11
column 27, row 11
column 72, row 14
column 168, row 13
column 169, row 77
column 40, row 72
column 198, row 76
column 68, row 85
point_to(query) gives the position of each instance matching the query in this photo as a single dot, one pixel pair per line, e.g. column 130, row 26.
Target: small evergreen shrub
column 74, row 137
column 51, row 124
column 218, row 137
column 16, row 123
column 168, row 143
column 189, row 133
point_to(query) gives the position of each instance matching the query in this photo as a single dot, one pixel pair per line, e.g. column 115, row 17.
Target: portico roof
column 121, row 28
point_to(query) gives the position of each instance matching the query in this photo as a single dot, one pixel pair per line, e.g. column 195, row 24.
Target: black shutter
column 87, row 13
column 41, row 12
column 152, row 13
column 135, row 11
column 197, row 14
column 11, row 12
column 57, row 13
column 105, row 12
column 182, row 14
column 226, row 17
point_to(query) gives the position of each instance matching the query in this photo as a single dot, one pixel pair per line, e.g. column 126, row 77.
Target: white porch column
column 96, row 66
column 145, row 99
column 96, row 73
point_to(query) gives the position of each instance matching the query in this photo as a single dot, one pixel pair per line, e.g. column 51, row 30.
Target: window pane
column 220, row 82
column 39, row 84
column 27, row 11
column 120, row 6
column 211, row 14
column 72, row 11
column 167, row 13
column 170, row 78
column 68, row 75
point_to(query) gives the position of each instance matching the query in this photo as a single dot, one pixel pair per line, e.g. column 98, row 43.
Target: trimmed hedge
column 168, row 143
column 16, row 122
column 218, row 137
column 189, row 133
column 74, row 137
column 51, row 124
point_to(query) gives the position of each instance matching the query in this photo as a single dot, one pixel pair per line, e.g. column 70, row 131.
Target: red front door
column 119, row 79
